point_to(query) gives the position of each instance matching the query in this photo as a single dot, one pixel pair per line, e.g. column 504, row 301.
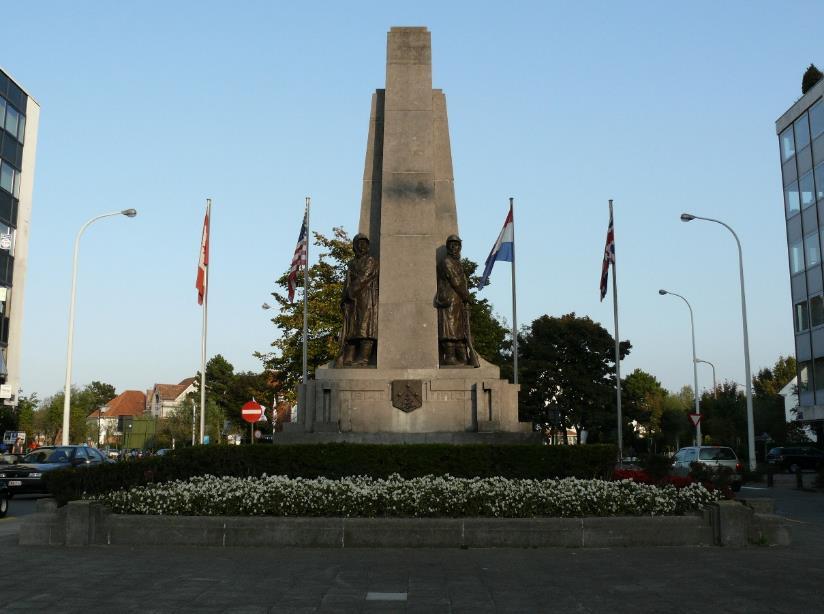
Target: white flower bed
column 429, row 496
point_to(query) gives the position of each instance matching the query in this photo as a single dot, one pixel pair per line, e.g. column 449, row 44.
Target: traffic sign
column 5, row 241
column 258, row 434
column 695, row 419
column 252, row 411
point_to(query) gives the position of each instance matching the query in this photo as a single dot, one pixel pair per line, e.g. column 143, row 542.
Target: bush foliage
column 335, row 461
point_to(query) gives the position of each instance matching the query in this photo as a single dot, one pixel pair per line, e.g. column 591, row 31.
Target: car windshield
column 716, row 454
column 49, row 455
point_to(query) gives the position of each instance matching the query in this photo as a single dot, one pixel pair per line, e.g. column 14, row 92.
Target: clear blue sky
column 664, row 107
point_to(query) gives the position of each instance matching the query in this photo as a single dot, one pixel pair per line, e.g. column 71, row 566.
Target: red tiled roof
column 187, row 382
column 169, row 392
column 127, row 403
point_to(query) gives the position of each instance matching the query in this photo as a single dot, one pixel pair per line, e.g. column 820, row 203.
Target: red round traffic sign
column 252, row 412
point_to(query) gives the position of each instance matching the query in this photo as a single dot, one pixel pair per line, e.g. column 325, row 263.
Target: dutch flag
column 502, row 250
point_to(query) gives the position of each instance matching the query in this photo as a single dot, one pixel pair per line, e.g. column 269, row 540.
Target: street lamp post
column 688, row 217
column 67, row 388
column 694, row 365
column 714, row 385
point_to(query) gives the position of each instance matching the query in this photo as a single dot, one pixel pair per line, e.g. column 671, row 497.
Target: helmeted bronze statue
column 452, row 301
column 359, row 305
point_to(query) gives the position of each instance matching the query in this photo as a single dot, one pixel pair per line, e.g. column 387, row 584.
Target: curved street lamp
column 688, row 217
column 694, row 364
column 714, row 385
column 67, row 390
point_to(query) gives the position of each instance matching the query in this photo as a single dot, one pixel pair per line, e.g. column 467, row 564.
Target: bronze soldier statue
column 453, row 301
column 359, row 305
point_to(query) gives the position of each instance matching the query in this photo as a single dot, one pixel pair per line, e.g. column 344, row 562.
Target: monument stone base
column 445, row 401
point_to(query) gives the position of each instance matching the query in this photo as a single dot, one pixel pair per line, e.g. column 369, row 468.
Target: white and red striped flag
column 299, row 259
column 203, row 262
column 609, row 255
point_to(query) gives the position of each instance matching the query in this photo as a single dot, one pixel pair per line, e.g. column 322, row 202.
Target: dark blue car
column 27, row 475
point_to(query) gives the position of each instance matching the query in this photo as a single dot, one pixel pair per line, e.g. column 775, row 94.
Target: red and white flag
column 203, row 262
column 299, row 258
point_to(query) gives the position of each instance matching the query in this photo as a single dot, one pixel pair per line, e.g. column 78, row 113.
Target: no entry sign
column 252, row 412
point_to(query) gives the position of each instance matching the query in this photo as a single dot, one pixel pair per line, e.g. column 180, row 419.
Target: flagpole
column 305, row 294
column 514, row 308
column 203, row 335
column 617, row 341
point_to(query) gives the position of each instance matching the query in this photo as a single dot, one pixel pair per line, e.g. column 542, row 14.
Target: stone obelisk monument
column 405, row 380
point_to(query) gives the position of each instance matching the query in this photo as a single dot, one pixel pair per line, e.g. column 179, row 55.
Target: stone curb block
column 83, row 523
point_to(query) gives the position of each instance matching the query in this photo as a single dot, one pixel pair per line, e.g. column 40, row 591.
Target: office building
column 19, row 116
column 801, row 142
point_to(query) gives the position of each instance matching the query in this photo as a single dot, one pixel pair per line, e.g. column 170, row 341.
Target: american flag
column 609, row 254
column 298, row 259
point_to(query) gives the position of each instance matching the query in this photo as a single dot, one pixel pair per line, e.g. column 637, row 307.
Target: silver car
column 713, row 457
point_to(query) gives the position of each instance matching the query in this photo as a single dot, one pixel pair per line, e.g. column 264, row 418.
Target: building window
column 818, row 376
column 21, row 129
column 2, row 111
column 796, row 258
column 805, row 187
column 804, row 376
column 812, row 249
column 819, row 182
column 12, row 120
column 801, row 320
column 791, row 199
column 802, row 132
column 817, row 118
column 6, row 177
column 817, row 312
column 787, row 144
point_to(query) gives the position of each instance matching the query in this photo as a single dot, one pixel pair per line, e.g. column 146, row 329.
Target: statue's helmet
column 359, row 237
column 453, row 239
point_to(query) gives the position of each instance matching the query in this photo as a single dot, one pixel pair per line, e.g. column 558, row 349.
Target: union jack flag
column 298, row 259
column 609, row 255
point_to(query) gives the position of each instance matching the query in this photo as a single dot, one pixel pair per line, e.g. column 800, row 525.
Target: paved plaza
column 185, row 579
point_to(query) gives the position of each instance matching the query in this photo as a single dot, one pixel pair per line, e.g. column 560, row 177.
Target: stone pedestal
column 407, row 211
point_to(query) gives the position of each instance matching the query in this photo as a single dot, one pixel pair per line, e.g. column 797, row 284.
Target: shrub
column 657, row 466
column 339, row 460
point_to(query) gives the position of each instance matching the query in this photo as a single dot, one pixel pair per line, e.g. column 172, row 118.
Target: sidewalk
column 633, row 580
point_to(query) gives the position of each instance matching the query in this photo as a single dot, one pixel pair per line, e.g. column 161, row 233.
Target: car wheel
column 794, row 467
column 4, row 505
column 736, row 487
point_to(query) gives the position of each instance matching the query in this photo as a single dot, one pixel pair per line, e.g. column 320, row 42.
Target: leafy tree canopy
column 568, row 374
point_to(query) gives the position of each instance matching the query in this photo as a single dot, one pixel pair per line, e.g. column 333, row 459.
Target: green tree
column 325, row 319
column 26, row 406
column 768, row 405
column 642, row 401
column 568, row 374
column 724, row 419
column 93, row 396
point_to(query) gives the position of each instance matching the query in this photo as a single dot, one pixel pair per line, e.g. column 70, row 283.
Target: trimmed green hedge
column 337, row 460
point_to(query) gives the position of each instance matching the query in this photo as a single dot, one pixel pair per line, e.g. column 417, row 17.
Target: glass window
column 818, row 366
column 791, row 200
column 805, row 187
column 21, row 129
column 12, row 119
column 812, row 249
column 2, row 111
column 817, row 118
column 804, row 376
column 796, row 258
column 6, row 177
column 801, row 320
column 819, row 182
column 717, row 454
column 787, row 144
column 817, row 312
column 802, row 132
column 16, row 186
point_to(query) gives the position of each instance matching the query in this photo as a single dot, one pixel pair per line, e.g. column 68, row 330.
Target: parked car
column 27, row 475
column 792, row 459
column 7, row 458
column 714, row 457
column 4, row 499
